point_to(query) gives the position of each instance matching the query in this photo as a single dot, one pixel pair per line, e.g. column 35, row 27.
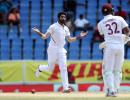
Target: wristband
column 80, row 37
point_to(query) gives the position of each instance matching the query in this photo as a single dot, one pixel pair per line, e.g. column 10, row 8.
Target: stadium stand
column 16, row 49
column 5, row 49
column 42, row 13
column 3, row 31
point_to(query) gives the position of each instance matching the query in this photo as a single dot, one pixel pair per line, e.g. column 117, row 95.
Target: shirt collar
column 60, row 24
column 108, row 16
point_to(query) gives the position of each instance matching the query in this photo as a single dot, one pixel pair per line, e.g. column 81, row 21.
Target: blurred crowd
column 10, row 15
column 82, row 24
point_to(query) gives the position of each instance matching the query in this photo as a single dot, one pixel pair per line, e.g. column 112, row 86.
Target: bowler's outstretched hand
column 83, row 34
column 35, row 30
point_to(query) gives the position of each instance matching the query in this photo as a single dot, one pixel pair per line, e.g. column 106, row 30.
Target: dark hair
column 81, row 16
column 61, row 13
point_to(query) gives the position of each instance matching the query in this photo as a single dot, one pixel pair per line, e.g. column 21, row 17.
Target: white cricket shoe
column 37, row 72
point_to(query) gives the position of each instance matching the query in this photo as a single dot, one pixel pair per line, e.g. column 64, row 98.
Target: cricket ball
column 33, row 91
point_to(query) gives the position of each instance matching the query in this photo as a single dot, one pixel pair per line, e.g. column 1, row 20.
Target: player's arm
column 80, row 36
column 102, row 45
column 126, row 31
column 44, row 36
column 125, row 27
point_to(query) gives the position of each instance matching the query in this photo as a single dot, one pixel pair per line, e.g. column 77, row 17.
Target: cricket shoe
column 67, row 91
column 37, row 72
column 116, row 91
column 111, row 94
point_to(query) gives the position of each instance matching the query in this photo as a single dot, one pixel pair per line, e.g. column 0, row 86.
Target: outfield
column 62, row 96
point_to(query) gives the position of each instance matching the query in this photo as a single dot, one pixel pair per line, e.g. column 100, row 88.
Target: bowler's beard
column 62, row 21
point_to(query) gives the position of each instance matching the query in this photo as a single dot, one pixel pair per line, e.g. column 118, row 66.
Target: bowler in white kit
column 112, row 27
column 56, row 52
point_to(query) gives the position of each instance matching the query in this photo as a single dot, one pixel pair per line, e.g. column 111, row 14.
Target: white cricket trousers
column 57, row 55
column 112, row 66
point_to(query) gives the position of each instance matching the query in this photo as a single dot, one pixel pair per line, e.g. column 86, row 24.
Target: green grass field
column 62, row 96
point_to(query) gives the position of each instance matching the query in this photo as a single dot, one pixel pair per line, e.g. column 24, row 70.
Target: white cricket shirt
column 58, row 34
column 111, row 27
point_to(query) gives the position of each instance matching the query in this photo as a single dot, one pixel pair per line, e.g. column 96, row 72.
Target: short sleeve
column 67, row 31
column 99, row 28
column 50, row 30
column 86, row 21
column 123, row 23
